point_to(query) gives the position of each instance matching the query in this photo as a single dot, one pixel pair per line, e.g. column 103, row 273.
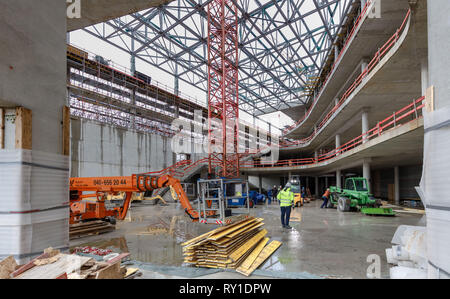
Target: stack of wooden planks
column 89, row 228
column 242, row 245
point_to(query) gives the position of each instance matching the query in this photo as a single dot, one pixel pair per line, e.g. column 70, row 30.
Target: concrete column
column 33, row 75
column 435, row 179
column 260, row 183
column 338, row 178
column 316, row 186
column 424, row 75
column 366, row 173
column 364, row 65
column 338, row 142
column 365, row 124
column 397, row 185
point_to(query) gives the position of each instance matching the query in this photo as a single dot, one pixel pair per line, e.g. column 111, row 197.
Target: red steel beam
column 223, row 91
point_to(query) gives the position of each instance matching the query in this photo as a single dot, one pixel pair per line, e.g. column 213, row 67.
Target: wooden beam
column 66, row 131
column 262, row 257
column 23, row 128
column 429, row 99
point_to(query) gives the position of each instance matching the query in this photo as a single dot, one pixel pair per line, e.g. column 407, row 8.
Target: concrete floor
column 324, row 242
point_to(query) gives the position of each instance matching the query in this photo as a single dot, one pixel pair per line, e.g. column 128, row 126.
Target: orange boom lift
column 85, row 210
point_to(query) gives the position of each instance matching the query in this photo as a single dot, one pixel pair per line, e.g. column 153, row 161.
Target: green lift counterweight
column 355, row 196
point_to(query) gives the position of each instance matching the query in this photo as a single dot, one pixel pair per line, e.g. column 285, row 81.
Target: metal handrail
column 393, row 121
column 375, row 60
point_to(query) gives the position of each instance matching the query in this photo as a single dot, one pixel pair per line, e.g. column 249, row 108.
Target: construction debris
column 55, row 265
column 92, row 251
column 241, row 246
column 79, row 230
column 7, row 267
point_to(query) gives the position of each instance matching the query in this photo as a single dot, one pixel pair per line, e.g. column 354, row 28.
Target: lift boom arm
column 114, row 185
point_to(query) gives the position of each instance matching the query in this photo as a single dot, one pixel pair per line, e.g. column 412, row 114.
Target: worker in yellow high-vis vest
column 286, row 198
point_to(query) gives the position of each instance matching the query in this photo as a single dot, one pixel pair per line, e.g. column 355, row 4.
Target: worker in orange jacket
column 325, row 198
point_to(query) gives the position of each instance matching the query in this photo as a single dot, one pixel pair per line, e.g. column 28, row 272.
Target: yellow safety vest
column 286, row 197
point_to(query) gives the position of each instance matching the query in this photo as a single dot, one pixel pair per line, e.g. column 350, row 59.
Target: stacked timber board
column 242, row 245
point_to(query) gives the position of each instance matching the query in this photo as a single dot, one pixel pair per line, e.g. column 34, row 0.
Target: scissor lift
column 212, row 203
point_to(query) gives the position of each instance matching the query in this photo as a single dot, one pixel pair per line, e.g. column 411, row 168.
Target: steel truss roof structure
column 283, row 45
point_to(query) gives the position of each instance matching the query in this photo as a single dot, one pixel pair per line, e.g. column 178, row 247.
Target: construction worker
column 286, row 198
column 274, row 193
column 325, row 198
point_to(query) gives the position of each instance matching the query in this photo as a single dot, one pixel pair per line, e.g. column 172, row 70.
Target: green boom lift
column 355, row 196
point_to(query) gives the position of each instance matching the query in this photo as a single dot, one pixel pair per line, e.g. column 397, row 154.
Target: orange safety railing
column 174, row 170
column 395, row 120
column 375, row 60
column 338, row 60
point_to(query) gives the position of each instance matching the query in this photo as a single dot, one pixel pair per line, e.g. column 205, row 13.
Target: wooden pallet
column 80, row 230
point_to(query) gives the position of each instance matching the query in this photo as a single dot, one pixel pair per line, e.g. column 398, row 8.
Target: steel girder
column 223, row 89
column 282, row 44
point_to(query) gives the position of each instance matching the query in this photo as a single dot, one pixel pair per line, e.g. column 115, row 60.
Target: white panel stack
column 34, row 211
column 436, row 189
column 409, row 253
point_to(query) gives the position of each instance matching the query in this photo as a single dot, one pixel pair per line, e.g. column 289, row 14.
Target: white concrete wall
column 33, row 65
column 436, row 172
column 33, row 75
column 102, row 150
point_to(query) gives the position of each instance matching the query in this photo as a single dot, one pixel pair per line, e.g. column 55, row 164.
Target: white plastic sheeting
column 435, row 186
column 31, row 180
column 409, row 253
column 400, row 272
column 34, row 210
column 27, row 235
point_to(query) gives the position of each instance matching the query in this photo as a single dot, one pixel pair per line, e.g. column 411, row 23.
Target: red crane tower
column 223, row 91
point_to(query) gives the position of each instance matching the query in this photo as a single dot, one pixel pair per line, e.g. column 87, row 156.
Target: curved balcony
column 367, row 36
column 391, row 80
column 397, row 139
